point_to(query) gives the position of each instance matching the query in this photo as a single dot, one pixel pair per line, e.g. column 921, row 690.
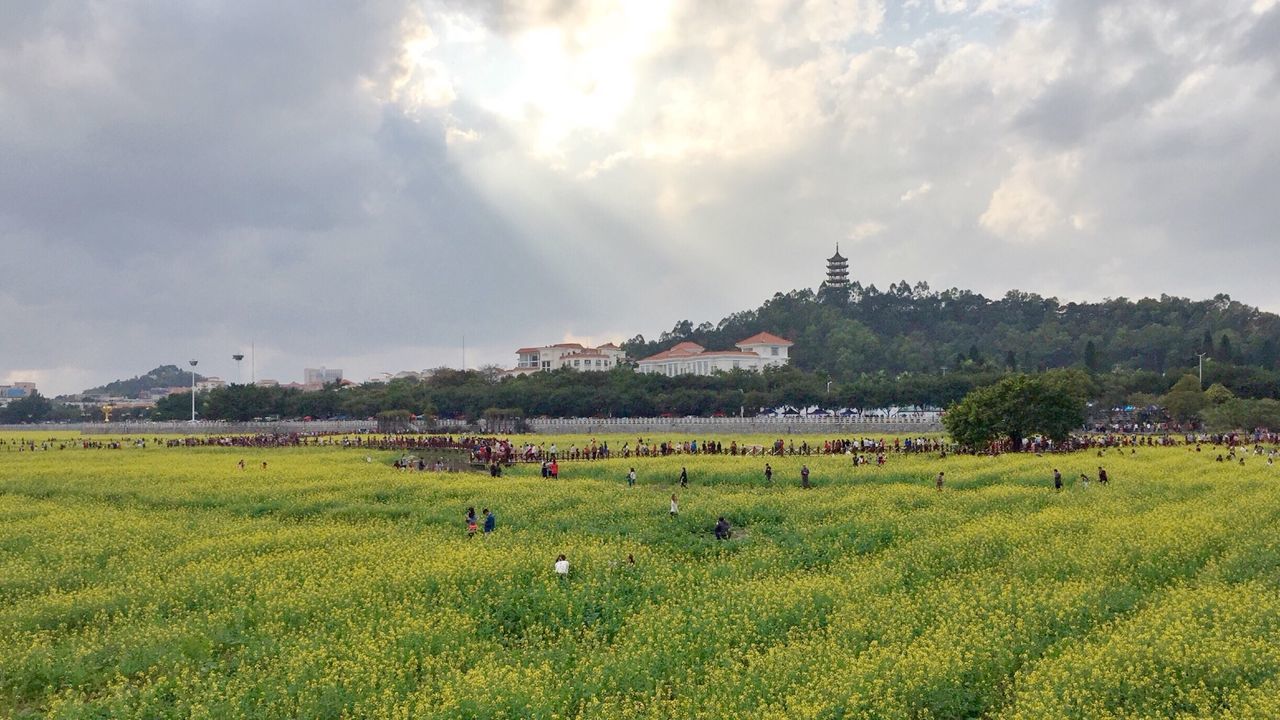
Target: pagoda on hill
column 837, row 271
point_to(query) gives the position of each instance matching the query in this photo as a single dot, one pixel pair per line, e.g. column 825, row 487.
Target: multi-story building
column 15, row 391
column 757, row 352
column 317, row 377
column 567, row 355
column 210, row 383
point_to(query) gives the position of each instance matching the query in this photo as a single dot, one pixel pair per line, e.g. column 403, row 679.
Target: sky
column 372, row 185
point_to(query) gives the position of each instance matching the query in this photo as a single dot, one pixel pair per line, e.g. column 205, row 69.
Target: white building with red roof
column 567, row 355
column 757, row 352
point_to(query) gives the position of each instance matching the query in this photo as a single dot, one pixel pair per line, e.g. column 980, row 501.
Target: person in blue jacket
column 490, row 522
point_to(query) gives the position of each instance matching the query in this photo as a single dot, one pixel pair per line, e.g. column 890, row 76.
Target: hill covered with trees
column 910, row 328
column 161, row 377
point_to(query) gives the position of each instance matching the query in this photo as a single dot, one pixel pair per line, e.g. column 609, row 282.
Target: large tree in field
column 1019, row 406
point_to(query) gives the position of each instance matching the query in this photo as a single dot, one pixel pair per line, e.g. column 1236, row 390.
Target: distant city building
column 757, row 352
column 316, row 377
column 15, row 391
column 210, row 383
column 838, row 270
column 567, row 355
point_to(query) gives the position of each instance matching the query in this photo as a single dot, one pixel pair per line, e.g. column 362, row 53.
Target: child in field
column 471, row 522
column 938, row 480
column 723, row 530
column 631, row 478
column 675, row 507
column 768, row 474
column 562, row 566
column 490, row 521
column 1057, row 479
column 684, row 478
column 804, row 476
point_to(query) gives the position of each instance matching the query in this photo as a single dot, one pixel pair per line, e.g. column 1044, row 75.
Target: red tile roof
column 564, row 346
column 680, row 350
column 764, row 338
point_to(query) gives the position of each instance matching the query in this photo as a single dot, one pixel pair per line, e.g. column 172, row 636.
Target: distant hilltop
column 165, row 376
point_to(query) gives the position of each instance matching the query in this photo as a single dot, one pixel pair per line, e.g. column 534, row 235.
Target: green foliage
column 33, row 408
column 1218, row 394
column 1242, row 414
column 1017, row 407
column 912, row 328
column 1184, row 401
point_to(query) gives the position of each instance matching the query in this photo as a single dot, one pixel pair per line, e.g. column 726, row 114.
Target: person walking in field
column 1057, row 479
column 562, row 566
column 555, row 469
column 768, row 474
column 490, row 521
column 684, row 478
column 1102, row 476
column 471, row 522
column 804, row 476
column 938, row 480
column 675, row 506
column 631, row 478
column 1084, row 480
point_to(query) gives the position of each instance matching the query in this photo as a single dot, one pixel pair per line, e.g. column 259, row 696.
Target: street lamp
column 193, row 389
column 1201, row 356
column 238, row 357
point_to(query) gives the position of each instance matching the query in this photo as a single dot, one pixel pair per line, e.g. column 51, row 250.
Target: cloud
column 865, row 230
column 366, row 183
column 919, row 191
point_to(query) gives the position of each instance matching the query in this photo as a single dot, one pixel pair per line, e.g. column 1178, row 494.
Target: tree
column 1224, row 348
column 33, row 408
column 1091, row 361
column 1011, row 361
column 1218, row 394
column 1014, row 408
column 1184, row 401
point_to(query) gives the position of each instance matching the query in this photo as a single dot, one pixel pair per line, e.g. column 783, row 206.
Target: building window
column 774, row 349
column 737, row 364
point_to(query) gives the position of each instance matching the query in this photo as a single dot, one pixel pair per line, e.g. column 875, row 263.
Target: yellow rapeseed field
column 167, row 582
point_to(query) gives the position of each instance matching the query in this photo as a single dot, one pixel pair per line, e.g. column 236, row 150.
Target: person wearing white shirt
column 562, row 566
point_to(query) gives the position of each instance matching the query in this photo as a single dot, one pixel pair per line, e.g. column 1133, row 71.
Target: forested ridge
column 910, row 328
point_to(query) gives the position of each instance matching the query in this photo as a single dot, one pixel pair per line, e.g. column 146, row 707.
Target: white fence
column 765, row 424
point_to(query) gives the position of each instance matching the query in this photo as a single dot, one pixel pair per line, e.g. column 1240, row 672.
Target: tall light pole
column 238, row 357
column 193, row 389
column 1201, row 356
